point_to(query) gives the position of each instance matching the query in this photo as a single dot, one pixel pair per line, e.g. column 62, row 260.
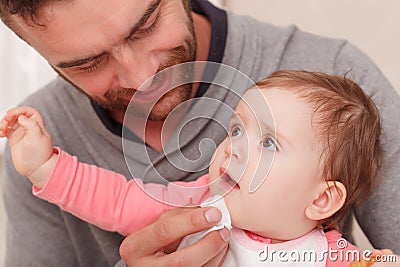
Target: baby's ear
column 330, row 199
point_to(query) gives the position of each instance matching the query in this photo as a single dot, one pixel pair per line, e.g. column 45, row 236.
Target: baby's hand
column 31, row 145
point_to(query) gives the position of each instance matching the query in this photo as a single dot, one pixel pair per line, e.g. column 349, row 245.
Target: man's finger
column 169, row 229
column 219, row 259
column 202, row 253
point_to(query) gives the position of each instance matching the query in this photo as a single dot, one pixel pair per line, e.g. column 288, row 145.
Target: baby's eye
column 270, row 143
column 236, row 131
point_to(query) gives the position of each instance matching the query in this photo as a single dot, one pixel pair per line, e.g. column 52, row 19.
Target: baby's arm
column 30, row 144
column 106, row 199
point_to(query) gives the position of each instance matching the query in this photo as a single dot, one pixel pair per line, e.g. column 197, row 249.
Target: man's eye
column 90, row 68
column 270, row 143
column 236, row 131
column 94, row 65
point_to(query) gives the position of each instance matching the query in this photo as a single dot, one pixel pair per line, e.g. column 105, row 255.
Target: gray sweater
column 40, row 234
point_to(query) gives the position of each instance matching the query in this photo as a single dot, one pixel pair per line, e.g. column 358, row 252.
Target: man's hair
column 28, row 10
column 348, row 125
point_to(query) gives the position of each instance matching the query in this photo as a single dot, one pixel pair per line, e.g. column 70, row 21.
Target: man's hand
column 155, row 244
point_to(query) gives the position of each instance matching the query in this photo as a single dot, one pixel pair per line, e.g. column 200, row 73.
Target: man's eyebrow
column 149, row 11
column 79, row 62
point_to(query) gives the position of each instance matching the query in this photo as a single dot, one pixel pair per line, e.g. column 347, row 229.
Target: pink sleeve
column 108, row 200
column 342, row 252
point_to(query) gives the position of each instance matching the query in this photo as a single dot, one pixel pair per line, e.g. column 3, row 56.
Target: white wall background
column 372, row 25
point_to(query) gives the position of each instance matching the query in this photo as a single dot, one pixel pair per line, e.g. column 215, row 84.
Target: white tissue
column 215, row 201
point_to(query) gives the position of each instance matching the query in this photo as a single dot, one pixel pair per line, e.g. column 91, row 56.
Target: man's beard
column 119, row 99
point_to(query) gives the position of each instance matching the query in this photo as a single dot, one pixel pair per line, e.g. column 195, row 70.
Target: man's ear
column 330, row 199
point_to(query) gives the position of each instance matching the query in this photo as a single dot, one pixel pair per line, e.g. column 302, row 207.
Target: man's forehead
column 81, row 24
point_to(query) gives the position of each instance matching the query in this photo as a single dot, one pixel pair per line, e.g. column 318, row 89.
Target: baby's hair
column 347, row 123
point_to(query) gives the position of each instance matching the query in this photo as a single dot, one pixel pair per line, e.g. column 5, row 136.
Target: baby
column 289, row 171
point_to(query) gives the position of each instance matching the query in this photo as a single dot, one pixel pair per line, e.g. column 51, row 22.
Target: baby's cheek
column 215, row 164
column 240, row 216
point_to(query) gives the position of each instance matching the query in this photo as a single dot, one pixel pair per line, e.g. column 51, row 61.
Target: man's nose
column 134, row 66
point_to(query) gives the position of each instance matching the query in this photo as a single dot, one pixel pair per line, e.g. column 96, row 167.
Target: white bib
column 307, row 250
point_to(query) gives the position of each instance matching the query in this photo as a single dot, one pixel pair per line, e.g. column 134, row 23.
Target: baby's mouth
column 227, row 182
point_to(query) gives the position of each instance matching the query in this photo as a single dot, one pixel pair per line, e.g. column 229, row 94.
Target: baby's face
column 269, row 163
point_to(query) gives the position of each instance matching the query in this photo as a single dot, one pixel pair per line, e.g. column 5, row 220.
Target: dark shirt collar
column 219, row 30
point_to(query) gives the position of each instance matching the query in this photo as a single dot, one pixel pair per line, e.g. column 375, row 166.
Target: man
column 107, row 50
